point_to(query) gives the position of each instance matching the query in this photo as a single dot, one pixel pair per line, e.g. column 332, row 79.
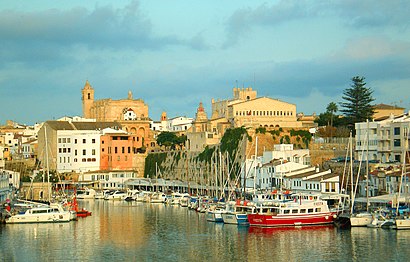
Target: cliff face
column 236, row 146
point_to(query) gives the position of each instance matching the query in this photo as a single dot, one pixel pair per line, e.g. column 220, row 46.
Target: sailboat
column 352, row 218
column 41, row 213
column 403, row 222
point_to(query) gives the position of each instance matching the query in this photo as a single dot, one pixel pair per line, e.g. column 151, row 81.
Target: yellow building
column 131, row 113
column 384, row 111
column 246, row 109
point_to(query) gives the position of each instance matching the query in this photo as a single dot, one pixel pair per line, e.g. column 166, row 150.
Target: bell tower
column 88, row 99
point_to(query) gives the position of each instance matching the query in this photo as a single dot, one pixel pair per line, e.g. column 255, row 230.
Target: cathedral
column 131, row 113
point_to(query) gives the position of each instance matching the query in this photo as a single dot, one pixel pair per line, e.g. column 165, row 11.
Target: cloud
column 351, row 13
column 51, row 35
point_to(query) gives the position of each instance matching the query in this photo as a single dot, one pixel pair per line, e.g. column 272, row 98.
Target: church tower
column 88, row 99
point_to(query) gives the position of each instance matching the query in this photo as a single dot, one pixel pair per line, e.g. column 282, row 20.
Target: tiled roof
column 65, row 125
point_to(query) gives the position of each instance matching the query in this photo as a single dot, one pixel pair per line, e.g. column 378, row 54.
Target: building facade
column 131, row 113
column 386, row 141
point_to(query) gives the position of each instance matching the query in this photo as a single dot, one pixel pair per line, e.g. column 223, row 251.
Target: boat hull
column 402, row 224
column 237, row 219
column 361, row 219
column 212, row 216
column 47, row 218
column 266, row 220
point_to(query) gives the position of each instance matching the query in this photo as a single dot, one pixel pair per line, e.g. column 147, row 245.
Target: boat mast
column 351, row 173
column 47, row 165
column 367, row 168
column 254, row 174
column 403, row 171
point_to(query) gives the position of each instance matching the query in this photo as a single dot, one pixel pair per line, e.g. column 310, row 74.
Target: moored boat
column 292, row 214
column 52, row 213
column 86, row 193
column 237, row 212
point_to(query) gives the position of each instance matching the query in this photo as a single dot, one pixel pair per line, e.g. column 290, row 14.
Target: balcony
column 384, row 149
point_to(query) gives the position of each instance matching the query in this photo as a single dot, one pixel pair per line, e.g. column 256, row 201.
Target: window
column 123, row 150
column 84, row 141
column 397, row 142
column 59, row 141
column 59, row 150
column 115, row 150
column 84, row 152
column 93, row 140
column 310, row 210
column 129, row 150
column 93, row 152
column 75, row 141
column 75, row 152
column 303, row 211
column 397, row 131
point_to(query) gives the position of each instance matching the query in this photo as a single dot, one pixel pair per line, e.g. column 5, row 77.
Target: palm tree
column 331, row 109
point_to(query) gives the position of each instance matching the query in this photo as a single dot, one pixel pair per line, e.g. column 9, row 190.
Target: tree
column 358, row 97
column 167, row 139
column 171, row 140
column 329, row 118
column 331, row 109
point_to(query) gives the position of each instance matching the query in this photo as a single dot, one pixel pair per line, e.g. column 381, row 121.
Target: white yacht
column 52, row 213
column 116, row 195
column 86, row 193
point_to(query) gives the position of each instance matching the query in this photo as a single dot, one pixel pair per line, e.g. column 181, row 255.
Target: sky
column 176, row 54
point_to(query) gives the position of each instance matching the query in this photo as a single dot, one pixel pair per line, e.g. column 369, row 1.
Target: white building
column 78, row 150
column 287, row 169
column 4, row 186
column 176, row 124
column 115, row 180
column 71, row 146
column 179, row 124
column 28, row 149
column 288, row 153
column 385, row 140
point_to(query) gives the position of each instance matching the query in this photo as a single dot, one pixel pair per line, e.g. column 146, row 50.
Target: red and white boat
column 313, row 212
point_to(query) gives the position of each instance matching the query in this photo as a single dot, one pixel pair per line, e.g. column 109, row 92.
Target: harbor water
column 123, row 231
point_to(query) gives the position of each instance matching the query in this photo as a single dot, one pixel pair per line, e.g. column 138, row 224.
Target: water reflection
column 151, row 232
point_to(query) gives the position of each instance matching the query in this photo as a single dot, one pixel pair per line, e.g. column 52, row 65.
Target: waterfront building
column 71, row 146
column 108, row 179
column 13, row 178
column 288, row 169
column 4, row 186
column 385, row 140
column 117, row 150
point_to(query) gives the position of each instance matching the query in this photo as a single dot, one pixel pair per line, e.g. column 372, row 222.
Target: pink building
column 117, row 151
